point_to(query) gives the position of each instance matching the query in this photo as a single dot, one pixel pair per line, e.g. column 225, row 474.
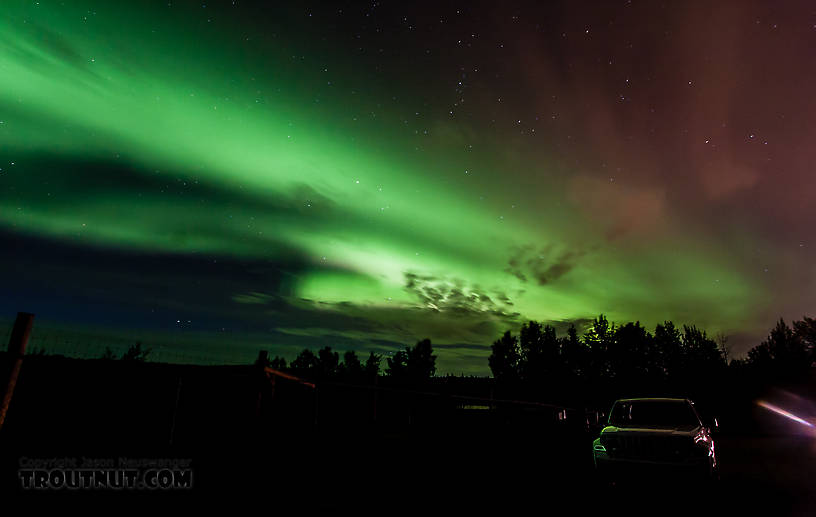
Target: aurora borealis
column 364, row 175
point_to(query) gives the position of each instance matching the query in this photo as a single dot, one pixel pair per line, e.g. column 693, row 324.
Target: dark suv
column 655, row 433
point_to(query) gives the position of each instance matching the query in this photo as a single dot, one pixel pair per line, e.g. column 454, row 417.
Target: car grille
column 659, row 448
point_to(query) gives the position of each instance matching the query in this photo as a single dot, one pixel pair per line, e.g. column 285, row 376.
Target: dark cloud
column 544, row 264
column 463, row 346
column 455, row 298
column 90, row 284
column 43, row 180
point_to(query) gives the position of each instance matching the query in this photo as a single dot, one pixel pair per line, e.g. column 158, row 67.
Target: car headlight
column 597, row 447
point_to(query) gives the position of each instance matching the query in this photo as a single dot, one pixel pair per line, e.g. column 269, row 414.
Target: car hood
column 687, row 430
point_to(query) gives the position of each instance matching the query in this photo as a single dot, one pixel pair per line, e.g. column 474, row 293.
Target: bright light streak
column 780, row 411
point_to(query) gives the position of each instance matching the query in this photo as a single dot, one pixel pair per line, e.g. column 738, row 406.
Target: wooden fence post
column 16, row 349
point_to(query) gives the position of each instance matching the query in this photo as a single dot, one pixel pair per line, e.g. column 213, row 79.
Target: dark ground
column 449, row 460
column 768, row 475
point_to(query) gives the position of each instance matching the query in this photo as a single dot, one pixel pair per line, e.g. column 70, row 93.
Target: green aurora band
column 379, row 222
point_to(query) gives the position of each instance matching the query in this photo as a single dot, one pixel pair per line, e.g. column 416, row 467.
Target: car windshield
column 653, row 413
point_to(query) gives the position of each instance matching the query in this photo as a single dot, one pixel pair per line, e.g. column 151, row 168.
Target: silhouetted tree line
column 414, row 364
column 134, row 353
column 628, row 360
column 787, row 354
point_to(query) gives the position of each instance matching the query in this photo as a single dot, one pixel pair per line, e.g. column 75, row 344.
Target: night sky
column 365, row 175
